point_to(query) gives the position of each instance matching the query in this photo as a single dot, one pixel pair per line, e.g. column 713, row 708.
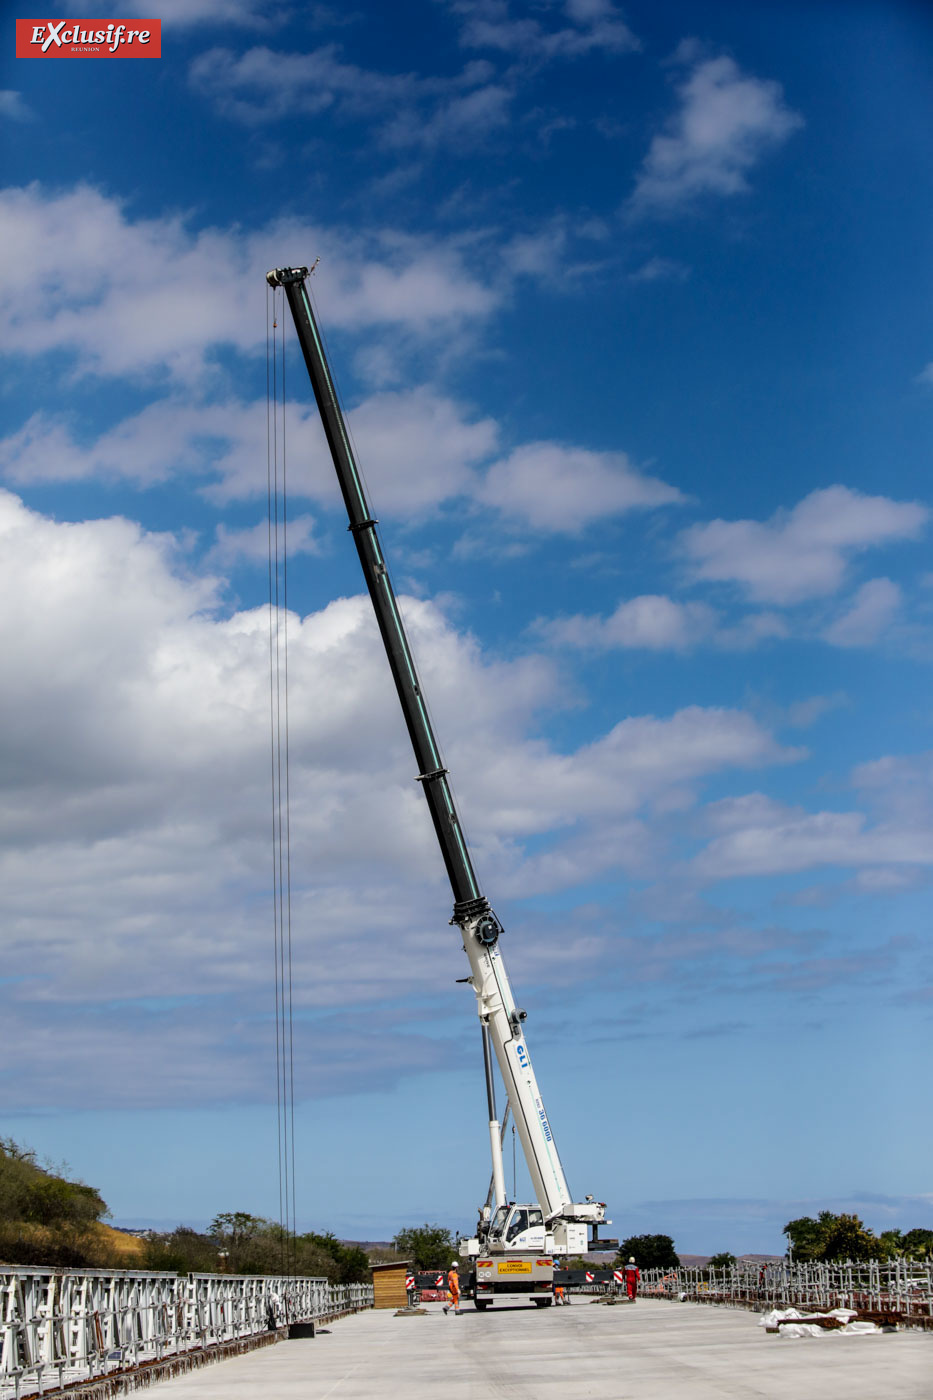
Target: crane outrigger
column 511, row 1255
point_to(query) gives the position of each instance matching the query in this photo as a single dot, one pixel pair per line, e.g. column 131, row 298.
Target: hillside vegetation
column 48, row 1220
column 239, row 1243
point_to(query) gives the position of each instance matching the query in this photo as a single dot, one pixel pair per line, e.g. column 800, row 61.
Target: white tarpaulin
column 791, row 1323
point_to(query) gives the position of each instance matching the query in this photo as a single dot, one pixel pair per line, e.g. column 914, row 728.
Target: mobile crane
column 512, row 1254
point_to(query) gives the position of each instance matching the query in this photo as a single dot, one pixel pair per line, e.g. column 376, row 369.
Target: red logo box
column 88, row 38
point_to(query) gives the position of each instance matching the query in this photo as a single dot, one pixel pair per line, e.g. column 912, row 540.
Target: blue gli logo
column 522, row 1055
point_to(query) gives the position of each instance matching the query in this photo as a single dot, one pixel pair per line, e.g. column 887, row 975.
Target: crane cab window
column 535, row 1217
column 498, row 1221
column 518, row 1223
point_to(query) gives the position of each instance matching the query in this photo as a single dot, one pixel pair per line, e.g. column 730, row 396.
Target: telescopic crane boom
column 481, row 930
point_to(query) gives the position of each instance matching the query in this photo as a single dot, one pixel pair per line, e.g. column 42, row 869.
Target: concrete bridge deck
column 652, row 1351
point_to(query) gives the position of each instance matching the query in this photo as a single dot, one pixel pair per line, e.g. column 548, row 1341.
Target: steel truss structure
column 58, row 1327
column 902, row 1287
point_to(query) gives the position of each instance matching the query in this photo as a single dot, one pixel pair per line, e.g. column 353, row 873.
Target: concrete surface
column 652, row 1351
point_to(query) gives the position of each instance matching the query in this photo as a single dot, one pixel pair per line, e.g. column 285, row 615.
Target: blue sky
column 630, row 309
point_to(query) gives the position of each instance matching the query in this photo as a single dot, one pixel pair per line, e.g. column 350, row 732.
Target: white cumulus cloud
column 134, row 801
column 252, row 543
column 13, row 106
column 726, row 122
column 140, row 297
column 263, row 86
column 651, row 621
column 802, row 553
column 552, row 486
column 654, row 622
column 423, row 445
column 875, row 606
column 418, row 448
column 820, row 839
column 756, row 835
column 593, row 25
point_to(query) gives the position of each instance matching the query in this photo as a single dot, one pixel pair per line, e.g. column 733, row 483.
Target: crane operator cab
column 517, row 1227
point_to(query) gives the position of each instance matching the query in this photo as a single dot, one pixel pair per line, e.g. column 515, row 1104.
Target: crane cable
column 277, row 504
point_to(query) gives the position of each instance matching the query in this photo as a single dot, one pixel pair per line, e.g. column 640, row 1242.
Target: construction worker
column 453, row 1289
column 632, row 1278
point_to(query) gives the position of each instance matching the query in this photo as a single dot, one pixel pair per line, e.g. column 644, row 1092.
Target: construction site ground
column 651, row 1350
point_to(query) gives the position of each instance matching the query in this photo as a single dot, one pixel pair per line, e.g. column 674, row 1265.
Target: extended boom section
column 477, row 922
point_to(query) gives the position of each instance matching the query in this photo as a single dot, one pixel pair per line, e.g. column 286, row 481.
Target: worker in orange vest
column 453, row 1289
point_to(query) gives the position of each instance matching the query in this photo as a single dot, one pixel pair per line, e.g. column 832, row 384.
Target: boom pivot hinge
column 487, row 930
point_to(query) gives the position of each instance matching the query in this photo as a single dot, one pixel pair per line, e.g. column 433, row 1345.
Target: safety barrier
column 900, row 1287
column 60, row 1327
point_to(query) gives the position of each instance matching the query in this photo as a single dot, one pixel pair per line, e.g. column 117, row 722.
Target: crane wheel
column 543, row 1302
column 480, row 1306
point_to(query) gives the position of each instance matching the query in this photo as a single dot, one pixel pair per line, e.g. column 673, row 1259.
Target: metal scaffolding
column 59, row 1327
column 901, row 1287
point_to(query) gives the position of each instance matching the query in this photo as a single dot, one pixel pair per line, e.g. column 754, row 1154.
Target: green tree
column 18, row 1175
column 53, row 1201
column 890, row 1244
column 184, row 1251
column 848, row 1238
column 345, row 1263
column 832, row 1236
column 722, row 1261
column 806, row 1236
column 650, row 1251
column 248, row 1244
column 235, row 1227
column 917, row 1244
column 253, row 1245
column 427, row 1246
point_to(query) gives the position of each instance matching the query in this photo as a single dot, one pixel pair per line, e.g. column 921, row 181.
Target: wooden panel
column 389, row 1288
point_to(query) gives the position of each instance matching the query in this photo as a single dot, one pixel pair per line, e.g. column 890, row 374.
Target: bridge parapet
column 63, row 1326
